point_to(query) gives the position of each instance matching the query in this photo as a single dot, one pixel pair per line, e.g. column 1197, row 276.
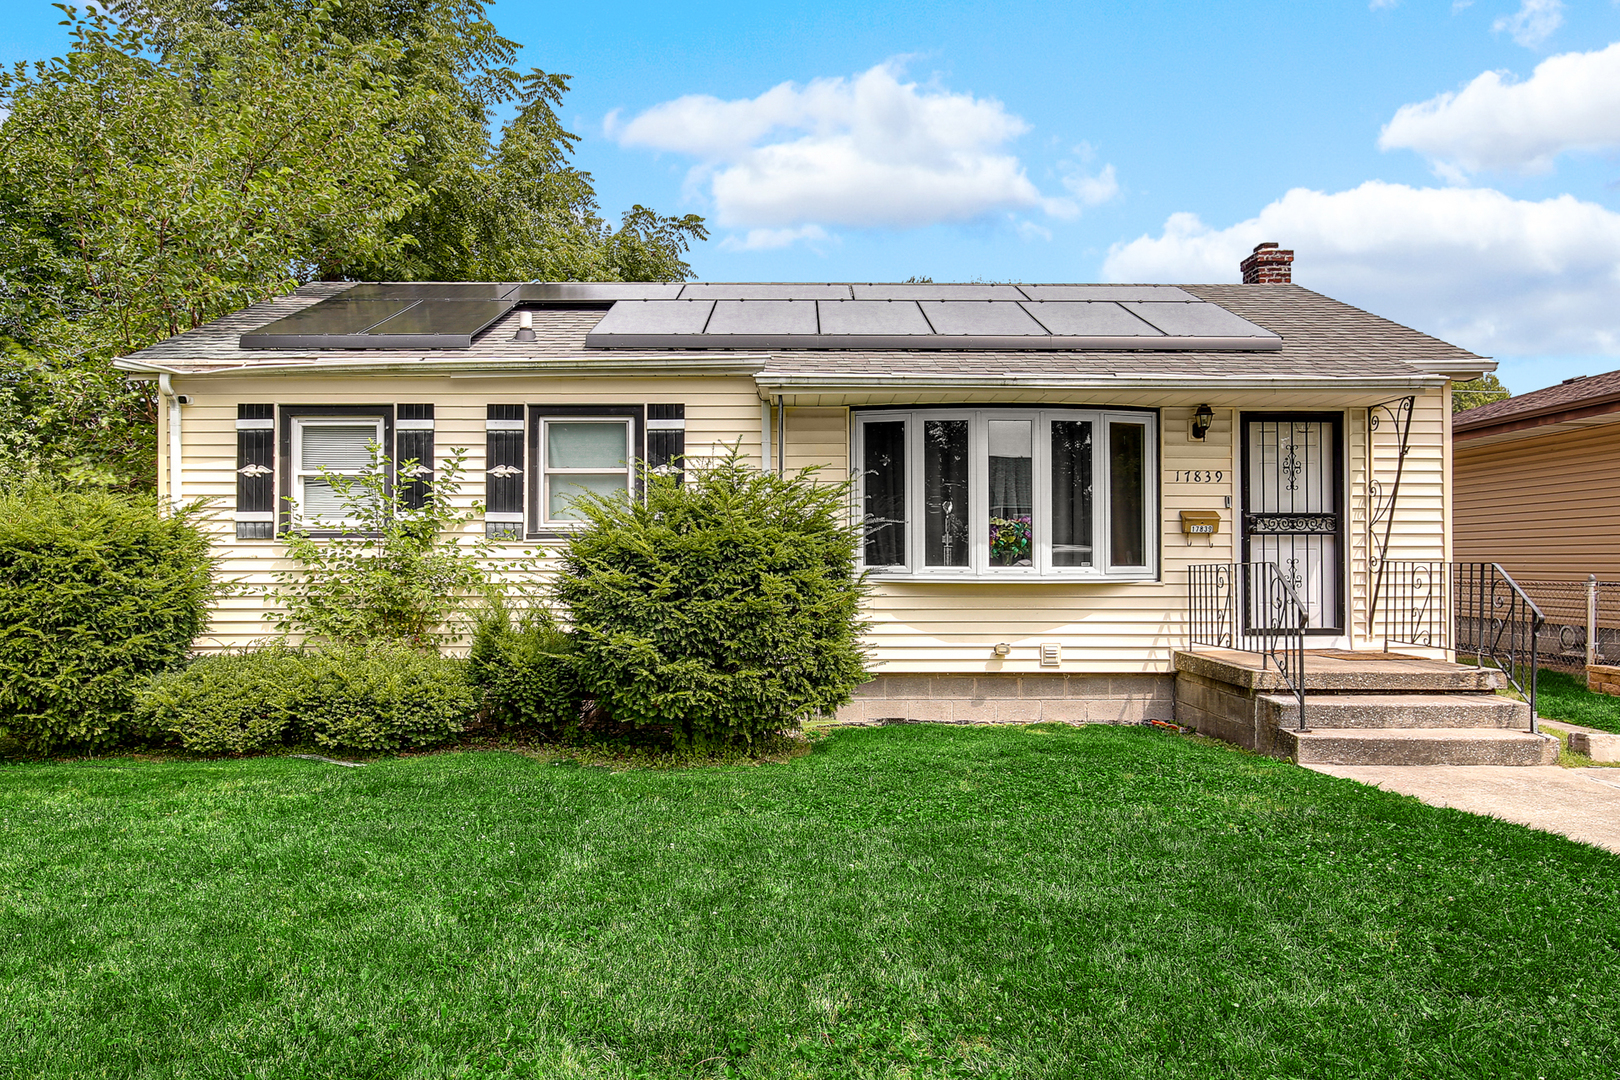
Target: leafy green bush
column 233, row 703
column 725, row 607
column 354, row 697
column 384, row 696
column 97, row 591
column 525, row 668
column 395, row 572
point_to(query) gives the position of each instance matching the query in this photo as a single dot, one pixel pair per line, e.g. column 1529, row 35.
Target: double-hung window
column 324, row 446
column 1008, row 493
column 581, row 455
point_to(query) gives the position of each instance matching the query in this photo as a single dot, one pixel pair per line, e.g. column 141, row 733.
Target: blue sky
column 1149, row 141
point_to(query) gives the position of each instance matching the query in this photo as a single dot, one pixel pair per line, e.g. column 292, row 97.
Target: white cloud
column 772, row 239
column 1471, row 265
column 1093, row 190
column 1570, row 102
column 1380, row 5
column 866, row 152
column 1533, row 23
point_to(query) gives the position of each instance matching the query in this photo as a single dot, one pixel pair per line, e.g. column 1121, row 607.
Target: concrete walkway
column 1582, row 804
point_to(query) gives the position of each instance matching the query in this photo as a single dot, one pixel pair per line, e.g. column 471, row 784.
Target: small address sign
column 1199, row 476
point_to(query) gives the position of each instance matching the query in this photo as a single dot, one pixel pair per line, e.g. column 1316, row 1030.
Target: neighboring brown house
column 1537, row 482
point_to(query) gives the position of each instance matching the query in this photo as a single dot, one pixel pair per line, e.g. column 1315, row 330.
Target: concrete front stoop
column 1376, row 709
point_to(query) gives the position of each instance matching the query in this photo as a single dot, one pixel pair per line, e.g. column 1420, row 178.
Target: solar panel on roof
column 764, row 291
column 639, row 318
column 979, row 319
column 1166, row 293
column 442, row 317
column 337, row 317
column 1081, row 318
column 430, row 290
column 872, row 317
column 763, row 317
column 597, row 291
column 905, row 291
column 1197, row 320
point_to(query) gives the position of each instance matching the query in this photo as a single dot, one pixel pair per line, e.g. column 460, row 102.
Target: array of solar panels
column 779, row 316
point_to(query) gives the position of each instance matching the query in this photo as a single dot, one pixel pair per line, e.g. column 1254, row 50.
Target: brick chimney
column 1268, row 266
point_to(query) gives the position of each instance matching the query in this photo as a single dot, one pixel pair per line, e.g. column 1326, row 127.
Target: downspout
column 166, row 388
column 765, row 435
column 781, row 435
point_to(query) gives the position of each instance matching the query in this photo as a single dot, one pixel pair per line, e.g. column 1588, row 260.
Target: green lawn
column 1561, row 696
column 902, row 902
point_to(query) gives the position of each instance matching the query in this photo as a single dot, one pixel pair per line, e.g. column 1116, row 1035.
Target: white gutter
column 481, row 368
column 833, row 383
column 167, row 390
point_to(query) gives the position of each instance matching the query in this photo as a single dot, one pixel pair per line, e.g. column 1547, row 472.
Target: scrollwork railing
column 1250, row 607
column 1475, row 608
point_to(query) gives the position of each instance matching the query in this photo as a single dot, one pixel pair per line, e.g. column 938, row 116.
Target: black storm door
column 1293, row 507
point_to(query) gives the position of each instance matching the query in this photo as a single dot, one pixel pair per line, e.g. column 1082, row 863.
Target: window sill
column 1012, row 579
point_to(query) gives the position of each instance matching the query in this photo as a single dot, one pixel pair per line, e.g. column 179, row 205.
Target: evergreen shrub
column 723, row 608
column 380, row 696
column 97, row 592
column 524, row 667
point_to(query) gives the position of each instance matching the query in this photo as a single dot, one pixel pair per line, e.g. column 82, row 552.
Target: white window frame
column 544, row 472
column 979, row 568
column 300, row 474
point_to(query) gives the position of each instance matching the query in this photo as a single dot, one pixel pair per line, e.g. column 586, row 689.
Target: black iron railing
column 1252, row 608
column 1475, row 608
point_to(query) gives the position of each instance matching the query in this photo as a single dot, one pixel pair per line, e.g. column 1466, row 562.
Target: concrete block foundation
column 1013, row 699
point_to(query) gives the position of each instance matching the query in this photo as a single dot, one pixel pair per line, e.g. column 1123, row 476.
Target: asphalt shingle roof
column 1322, row 338
column 1570, row 394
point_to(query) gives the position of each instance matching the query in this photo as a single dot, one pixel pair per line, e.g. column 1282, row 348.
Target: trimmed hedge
column 724, row 608
column 525, row 669
column 382, row 696
column 97, row 592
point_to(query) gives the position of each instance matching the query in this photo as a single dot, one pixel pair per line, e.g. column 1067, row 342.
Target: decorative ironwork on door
column 1293, row 503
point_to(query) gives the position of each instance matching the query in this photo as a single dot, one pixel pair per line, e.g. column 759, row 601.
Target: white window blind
column 340, row 446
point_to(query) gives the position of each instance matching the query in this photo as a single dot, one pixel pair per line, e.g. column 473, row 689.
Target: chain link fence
column 1577, row 612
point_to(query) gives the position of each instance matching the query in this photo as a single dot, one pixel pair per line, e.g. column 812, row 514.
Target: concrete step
column 1398, row 711
column 1417, row 746
column 1373, row 673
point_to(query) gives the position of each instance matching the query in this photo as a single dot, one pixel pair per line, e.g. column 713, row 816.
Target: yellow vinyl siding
column 1544, row 506
column 932, row 627
column 718, row 411
column 1421, row 515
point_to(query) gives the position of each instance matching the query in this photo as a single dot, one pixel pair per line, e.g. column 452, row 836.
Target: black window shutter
column 666, row 438
column 503, row 472
column 413, row 441
column 255, row 472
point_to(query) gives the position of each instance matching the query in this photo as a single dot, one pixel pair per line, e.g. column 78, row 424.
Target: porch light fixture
column 1003, row 649
column 1203, row 417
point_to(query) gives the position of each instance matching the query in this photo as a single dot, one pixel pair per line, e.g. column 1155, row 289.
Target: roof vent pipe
column 525, row 330
column 1268, row 266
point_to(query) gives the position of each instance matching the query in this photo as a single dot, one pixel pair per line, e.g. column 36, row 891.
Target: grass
column 900, row 902
column 1561, row 696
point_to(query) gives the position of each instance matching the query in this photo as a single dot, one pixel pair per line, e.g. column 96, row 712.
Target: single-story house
column 1538, row 487
column 1538, row 481
column 1041, row 468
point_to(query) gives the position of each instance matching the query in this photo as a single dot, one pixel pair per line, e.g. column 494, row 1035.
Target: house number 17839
column 1199, row 476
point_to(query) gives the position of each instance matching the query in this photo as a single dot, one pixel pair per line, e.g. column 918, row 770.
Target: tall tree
column 492, row 206
column 1476, row 392
column 152, row 192
column 190, row 157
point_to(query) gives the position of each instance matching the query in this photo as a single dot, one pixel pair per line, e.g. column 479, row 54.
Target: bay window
column 1008, row 493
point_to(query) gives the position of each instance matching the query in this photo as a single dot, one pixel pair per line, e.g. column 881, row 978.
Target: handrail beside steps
column 1471, row 607
column 1250, row 607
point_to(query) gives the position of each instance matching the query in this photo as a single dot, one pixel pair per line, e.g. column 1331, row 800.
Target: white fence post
column 1591, row 619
